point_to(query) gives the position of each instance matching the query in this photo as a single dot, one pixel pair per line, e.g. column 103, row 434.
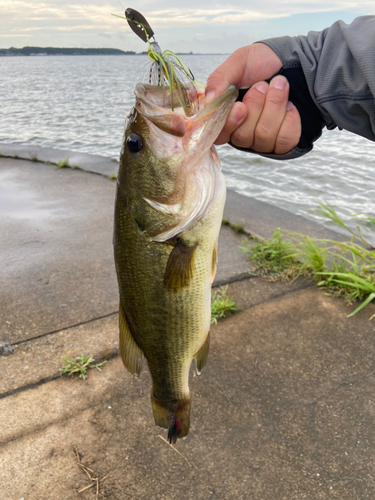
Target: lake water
column 80, row 103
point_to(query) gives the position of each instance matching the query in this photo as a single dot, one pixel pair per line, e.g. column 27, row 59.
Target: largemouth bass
column 168, row 212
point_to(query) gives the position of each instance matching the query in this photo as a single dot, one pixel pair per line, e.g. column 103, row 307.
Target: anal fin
column 201, row 356
column 131, row 354
column 180, row 266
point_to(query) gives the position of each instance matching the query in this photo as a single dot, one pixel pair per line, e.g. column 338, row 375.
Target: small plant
column 33, row 157
column 328, row 211
column 222, row 304
column 352, row 286
column 79, row 365
column 113, row 176
column 276, row 257
column 65, row 164
column 239, row 228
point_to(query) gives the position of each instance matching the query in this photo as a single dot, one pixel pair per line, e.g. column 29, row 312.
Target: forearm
column 338, row 65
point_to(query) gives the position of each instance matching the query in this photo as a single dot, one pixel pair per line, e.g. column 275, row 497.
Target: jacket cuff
column 296, row 152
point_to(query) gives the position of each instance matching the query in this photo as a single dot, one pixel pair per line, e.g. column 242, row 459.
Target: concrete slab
column 38, row 360
column 56, row 249
column 283, row 410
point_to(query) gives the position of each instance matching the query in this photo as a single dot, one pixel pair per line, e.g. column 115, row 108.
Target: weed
column 33, row 157
column 328, row 211
column 341, row 269
column 344, row 269
column 239, row 228
column 79, row 365
column 65, row 164
column 276, row 258
column 113, row 176
column 222, row 304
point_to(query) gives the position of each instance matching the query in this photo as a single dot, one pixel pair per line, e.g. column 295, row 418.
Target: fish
column 170, row 198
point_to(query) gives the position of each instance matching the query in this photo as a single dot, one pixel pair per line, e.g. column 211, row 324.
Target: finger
column 290, row 131
column 237, row 115
column 243, row 68
column 254, row 100
column 272, row 115
column 228, row 73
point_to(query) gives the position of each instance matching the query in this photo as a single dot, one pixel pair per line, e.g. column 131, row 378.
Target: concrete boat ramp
column 284, row 409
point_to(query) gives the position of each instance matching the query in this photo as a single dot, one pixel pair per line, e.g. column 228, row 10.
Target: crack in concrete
column 64, row 328
column 44, row 380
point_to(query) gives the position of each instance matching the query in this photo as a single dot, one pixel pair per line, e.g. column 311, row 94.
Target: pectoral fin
column 214, row 263
column 180, row 266
column 131, row 354
column 201, row 356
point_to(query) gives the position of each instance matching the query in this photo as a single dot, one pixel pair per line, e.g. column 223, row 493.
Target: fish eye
column 134, row 143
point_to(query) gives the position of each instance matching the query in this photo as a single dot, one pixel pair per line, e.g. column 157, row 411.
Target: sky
column 209, row 26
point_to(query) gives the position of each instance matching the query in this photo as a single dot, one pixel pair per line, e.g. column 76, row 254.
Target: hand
column 264, row 121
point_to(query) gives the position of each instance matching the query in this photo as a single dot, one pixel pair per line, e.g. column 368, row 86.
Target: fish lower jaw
column 172, row 415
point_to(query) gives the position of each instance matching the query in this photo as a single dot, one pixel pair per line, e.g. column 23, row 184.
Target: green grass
column 79, row 365
column 275, row 258
column 239, row 228
column 33, row 157
column 222, row 305
column 345, row 269
column 329, row 212
column 65, row 164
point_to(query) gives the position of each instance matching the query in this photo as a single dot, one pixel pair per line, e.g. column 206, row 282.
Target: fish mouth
column 186, row 100
column 155, row 102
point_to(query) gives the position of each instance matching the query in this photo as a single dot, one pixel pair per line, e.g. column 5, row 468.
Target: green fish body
column 168, row 212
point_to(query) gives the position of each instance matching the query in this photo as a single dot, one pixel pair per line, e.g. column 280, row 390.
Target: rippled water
column 80, row 103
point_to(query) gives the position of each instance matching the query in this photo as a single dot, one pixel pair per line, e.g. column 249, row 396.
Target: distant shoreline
column 57, row 51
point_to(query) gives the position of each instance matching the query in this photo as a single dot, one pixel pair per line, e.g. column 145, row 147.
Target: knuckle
column 284, row 144
column 262, row 133
column 242, row 138
column 254, row 98
column 277, row 98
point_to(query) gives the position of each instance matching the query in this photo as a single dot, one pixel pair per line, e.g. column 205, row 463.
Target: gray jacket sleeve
column 338, row 65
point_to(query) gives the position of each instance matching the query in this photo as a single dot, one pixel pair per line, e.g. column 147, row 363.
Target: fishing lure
column 166, row 68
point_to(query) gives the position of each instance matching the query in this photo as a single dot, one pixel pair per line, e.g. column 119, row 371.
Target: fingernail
column 262, row 87
column 279, row 83
column 210, row 96
column 290, row 106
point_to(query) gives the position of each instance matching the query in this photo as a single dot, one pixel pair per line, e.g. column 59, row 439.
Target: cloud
column 48, row 22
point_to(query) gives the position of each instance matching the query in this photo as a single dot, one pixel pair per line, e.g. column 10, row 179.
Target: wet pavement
column 284, row 409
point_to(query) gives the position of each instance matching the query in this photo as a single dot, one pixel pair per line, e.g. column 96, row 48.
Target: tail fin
column 172, row 415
